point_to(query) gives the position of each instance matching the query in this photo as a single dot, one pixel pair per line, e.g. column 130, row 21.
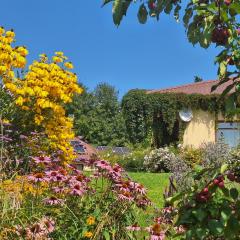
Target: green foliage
column 98, row 117
column 157, row 114
column 192, row 156
column 209, row 209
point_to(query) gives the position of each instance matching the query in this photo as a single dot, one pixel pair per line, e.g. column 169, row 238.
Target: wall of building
column 201, row 129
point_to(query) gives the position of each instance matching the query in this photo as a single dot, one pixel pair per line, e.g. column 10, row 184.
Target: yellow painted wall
column 201, row 129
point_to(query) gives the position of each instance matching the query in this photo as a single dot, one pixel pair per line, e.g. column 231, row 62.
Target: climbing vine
column 157, row 114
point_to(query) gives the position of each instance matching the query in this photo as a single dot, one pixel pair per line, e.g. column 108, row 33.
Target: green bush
column 191, row 156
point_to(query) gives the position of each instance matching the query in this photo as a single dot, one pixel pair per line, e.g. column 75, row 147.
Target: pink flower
column 42, row 159
column 55, row 176
column 48, row 223
column 53, row 201
column 155, row 232
column 140, row 188
column 59, row 189
column 134, row 227
column 104, row 165
column 125, row 195
column 77, row 190
column 158, row 237
column 37, row 177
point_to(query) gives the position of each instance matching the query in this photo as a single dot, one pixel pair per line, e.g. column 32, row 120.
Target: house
column 204, row 126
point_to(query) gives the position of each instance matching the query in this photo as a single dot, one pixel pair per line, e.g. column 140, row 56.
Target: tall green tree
column 98, row 116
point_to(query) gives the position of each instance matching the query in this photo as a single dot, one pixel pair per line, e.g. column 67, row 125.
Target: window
column 229, row 132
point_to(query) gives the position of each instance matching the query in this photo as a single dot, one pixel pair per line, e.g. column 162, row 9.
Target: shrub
column 159, row 160
column 215, row 154
column 191, row 156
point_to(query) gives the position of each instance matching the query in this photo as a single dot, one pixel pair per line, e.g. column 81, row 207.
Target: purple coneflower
column 77, row 190
column 37, row 177
column 42, row 159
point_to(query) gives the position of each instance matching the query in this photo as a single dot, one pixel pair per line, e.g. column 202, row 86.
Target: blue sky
column 151, row 56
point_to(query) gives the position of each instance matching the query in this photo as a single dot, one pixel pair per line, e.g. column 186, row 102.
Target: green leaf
column 215, row 226
column 224, row 168
column 234, row 193
column 222, row 69
column 201, row 233
column 142, row 14
column 233, row 225
column 106, row 235
column 174, row 198
column 225, row 215
column 189, row 235
column 106, row 2
column 187, row 16
column 200, row 214
column 117, row 11
column 176, row 12
column 168, row 7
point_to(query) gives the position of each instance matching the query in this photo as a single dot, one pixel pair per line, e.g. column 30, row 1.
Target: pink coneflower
column 48, row 224
column 158, row 237
column 35, row 232
column 59, row 189
column 134, row 227
column 140, row 188
column 77, row 189
column 53, row 201
column 104, row 165
column 42, row 159
column 156, row 232
column 143, row 202
column 37, row 177
column 55, row 176
column 125, row 195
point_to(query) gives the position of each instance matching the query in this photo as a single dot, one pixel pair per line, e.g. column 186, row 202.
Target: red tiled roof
column 203, row 87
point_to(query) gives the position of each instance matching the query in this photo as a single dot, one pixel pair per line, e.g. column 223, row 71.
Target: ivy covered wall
column 157, row 115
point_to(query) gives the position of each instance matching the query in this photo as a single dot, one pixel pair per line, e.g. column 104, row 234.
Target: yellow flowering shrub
column 10, row 57
column 44, row 90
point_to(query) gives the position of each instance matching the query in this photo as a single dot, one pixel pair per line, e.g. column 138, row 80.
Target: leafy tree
column 98, row 116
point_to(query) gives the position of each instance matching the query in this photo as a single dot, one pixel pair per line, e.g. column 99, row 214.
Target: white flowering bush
column 159, row 160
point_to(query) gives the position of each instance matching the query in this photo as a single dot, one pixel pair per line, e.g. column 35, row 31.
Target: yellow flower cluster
column 10, row 57
column 47, row 86
column 19, row 186
column 45, row 89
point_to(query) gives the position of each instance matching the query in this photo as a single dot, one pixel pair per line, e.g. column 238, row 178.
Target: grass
column 155, row 184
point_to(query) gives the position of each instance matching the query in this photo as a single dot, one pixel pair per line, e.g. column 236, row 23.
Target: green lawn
column 155, row 184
